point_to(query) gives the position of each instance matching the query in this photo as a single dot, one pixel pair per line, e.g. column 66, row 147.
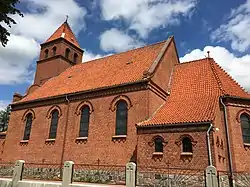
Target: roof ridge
column 112, row 55
column 229, row 76
column 210, row 60
column 197, row 60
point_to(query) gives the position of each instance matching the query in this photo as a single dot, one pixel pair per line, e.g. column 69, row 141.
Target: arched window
column 67, row 51
column 121, row 118
column 158, row 144
column 54, row 51
column 245, row 127
column 84, row 122
column 187, row 146
column 53, row 124
column 46, row 53
column 28, row 125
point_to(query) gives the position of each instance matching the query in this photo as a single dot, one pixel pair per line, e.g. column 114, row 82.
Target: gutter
column 210, row 161
column 235, row 97
column 231, row 181
column 64, row 137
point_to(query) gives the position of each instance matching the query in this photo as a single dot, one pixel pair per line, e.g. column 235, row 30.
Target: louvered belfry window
column 187, row 146
column 245, row 127
column 121, row 118
column 84, row 122
column 54, row 124
column 28, row 125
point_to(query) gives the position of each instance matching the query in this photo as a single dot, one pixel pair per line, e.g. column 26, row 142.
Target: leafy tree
column 7, row 8
column 4, row 118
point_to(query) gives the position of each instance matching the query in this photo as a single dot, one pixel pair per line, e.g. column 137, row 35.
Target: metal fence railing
column 96, row 173
column 241, row 179
column 6, row 169
column 174, row 177
column 42, row 171
column 93, row 173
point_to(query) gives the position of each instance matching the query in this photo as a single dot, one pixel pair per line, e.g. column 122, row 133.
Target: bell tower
column 58, row 53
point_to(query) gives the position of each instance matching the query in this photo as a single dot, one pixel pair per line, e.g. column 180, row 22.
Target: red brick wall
column 99, row 144
column 172, row 151
column 49, row 69
column 154, row 102
column 220, row 156
column 240, row 153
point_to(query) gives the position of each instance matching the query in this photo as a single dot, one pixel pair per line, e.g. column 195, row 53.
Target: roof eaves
column 81, row 92
column 235, row 97
column 173, row 124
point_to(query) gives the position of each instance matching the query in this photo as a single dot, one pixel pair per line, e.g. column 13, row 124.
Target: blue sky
column 106, row 27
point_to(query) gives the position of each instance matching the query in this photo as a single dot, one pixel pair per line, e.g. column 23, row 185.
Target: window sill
column 24, row 141
column 186, row 154
column 119, row 138
column 158, row 154
column 50, row 141
column 80, row 140
column 246, row 144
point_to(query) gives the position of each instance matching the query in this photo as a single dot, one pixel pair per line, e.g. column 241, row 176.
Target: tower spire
column 64, row 31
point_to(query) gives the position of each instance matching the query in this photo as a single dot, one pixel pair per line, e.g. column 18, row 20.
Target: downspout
column 209, row 145
column 231, row 183
column 64, row 137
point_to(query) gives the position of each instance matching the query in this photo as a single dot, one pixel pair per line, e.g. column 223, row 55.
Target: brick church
column 142, row 105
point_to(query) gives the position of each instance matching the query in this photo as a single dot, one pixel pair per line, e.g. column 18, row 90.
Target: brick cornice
column 56, row 57
column 137, row 86
column 188, row 127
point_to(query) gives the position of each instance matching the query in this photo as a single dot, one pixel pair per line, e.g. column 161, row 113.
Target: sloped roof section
column 114, row 70
column 64, row 31
column 195, row 90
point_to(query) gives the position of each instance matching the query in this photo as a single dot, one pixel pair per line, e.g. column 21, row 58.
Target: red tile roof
column 64, row 31
column 195, row 90
column 126, row 67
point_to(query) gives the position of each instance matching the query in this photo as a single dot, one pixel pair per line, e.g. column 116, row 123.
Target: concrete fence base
column 67, row 177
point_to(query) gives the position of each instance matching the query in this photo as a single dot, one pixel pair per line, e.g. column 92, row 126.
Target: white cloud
column 16, row 59
column 4, row 104
column 41, row 20
column 88, row 55
column 45, row 16
column 237, row 67
column 237, row 28
column 146, row 15
column 118, row 41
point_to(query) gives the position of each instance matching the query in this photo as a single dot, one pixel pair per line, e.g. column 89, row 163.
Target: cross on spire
column 208, row 54
column 67, row 17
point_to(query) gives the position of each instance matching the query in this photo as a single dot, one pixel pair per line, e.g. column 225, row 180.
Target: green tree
column 4, row 118
column 7, row 8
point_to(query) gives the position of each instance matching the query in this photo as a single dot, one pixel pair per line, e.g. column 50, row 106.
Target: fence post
column 211, row 177
column 130, row 174
column 18, row 172
column 67, row 173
